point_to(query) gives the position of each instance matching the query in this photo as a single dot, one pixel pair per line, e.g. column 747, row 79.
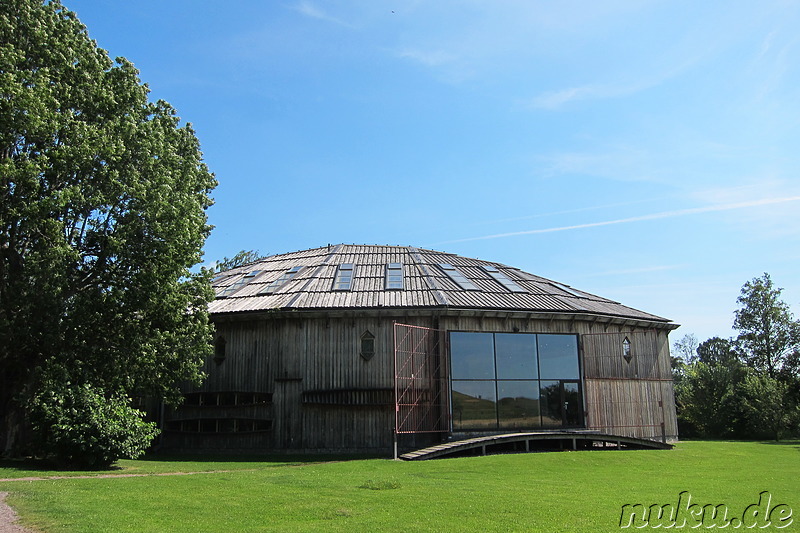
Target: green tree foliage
column 768, row 333
column 766, row 406
column 102, row 214
column 707, row 391
column 717, row 351
column 82, row 426
column 745, row 387
column 243, row 257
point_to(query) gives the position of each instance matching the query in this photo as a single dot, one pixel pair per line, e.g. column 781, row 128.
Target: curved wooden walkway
column 533, row 441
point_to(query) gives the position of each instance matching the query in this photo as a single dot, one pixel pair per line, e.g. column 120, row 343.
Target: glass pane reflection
column 572, row 404
column 516, row 356
column 550, row 397
column 474, row 405
column 515, row 381
column 518, row 406
column 472, row 355
column 558, row 356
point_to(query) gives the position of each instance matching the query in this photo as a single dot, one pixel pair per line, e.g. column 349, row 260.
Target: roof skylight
column 460, row 279
column 502, row 279
column 344, row 277
column 567, row 289
column 281, row 281
column 394, row 276
column 246, row 278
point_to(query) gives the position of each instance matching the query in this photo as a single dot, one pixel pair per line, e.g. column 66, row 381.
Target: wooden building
column 343, row 348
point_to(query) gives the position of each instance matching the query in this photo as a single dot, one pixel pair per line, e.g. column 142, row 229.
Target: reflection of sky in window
column 472, row 355
column 516, row 356
column 558, row 356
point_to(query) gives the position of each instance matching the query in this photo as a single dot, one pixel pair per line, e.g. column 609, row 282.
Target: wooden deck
column 532, row 442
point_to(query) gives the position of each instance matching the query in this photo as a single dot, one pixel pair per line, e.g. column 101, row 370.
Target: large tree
column 768, row 333
column 102, row 215
column 748, row 386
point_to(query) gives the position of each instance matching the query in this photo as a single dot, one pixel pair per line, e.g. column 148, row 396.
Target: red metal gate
column 421, row 386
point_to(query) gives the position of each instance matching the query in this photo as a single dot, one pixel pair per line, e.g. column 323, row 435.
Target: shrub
column 82, row 427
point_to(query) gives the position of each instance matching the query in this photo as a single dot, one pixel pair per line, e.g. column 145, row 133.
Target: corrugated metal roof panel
column 425, row 284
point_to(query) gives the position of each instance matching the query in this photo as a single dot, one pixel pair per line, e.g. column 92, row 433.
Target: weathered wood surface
column 287, row 358
column 290, row 356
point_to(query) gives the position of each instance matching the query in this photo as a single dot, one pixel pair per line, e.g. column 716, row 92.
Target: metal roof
column 425, row 285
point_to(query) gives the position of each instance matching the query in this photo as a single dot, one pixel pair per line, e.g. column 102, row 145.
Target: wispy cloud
column 556, row 99
column 429, row 58
column 618, row 163
column 571, row 211
column 642, row 218
column 679, row 59
column 766, row 44
column 310, row 10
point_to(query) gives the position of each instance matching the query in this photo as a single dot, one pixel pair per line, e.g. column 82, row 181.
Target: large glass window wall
column 514, row 381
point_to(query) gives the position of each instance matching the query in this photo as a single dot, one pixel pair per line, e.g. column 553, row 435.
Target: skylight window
column 394, row 276
column 458, row 277
column 281, row 281
column 502, row 279
column 567, row 289
column 344, row 277
column 219, row 277
column 246, row 278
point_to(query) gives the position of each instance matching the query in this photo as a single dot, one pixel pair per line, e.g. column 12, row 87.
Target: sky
column 644, row 151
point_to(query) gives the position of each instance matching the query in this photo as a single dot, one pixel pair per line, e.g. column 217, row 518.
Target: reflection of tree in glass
column 573, row 404
column 551, row 405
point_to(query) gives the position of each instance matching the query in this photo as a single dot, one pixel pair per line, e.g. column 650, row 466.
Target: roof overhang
column 442, row 311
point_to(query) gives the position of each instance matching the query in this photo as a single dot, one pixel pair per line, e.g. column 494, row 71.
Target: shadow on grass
column 793, row 443
column 33, row 467
column 30, row 464
column 253, row 458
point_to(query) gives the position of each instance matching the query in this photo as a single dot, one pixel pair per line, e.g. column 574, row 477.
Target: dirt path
column 8, row 517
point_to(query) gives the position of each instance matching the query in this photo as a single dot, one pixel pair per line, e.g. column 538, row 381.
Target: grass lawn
column 548, row 492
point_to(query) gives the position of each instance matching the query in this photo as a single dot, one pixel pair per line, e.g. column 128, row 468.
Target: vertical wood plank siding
column 287, row 357
column 632, row 398
column 308, row 364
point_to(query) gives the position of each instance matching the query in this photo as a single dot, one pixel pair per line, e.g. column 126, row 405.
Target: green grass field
column 548, row 492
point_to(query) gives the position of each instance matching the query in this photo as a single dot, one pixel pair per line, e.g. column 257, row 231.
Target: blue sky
column 644, row 151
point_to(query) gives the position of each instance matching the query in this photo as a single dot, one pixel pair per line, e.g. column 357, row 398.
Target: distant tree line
column 748, row 386
column 243, row 257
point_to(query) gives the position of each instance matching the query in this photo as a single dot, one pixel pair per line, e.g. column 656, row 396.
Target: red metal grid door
column 421, row 386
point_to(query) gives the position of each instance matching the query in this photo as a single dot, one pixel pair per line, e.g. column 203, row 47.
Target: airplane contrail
column 654, row 216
